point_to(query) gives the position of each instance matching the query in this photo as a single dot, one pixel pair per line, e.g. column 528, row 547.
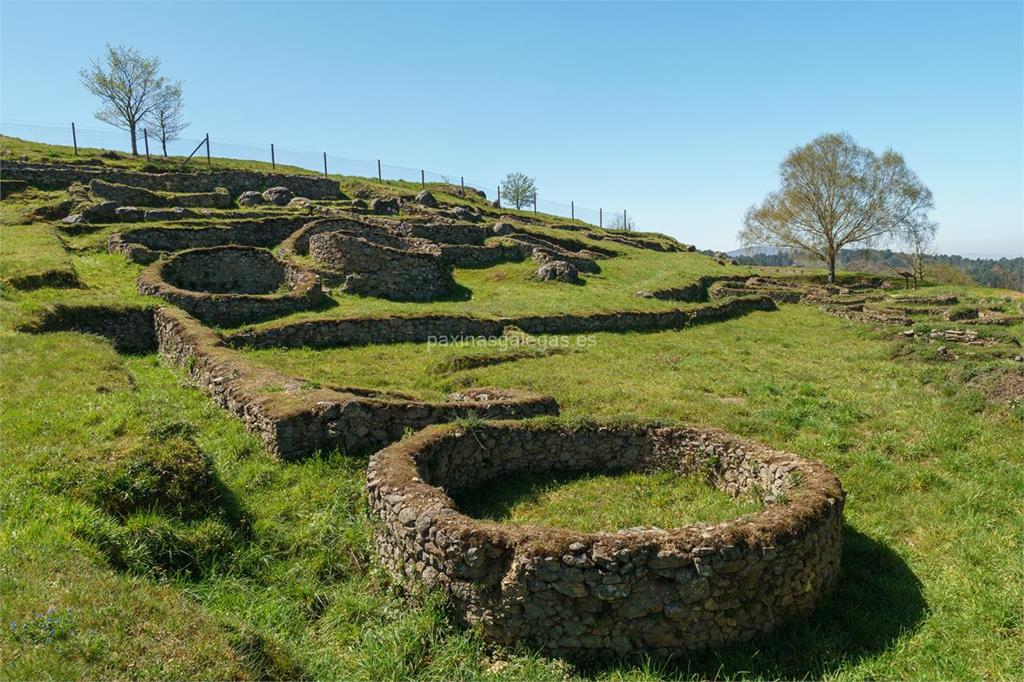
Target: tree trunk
column 163, row 143
column 831, row 269
column 135, row 141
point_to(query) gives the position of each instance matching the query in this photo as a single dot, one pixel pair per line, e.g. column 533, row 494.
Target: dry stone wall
column 54, row 176
column 422, row 328
column 138, row 196
column 376, row 270
column 640, row 591
column 146, row 244
column 231, row 285
column 295, row 420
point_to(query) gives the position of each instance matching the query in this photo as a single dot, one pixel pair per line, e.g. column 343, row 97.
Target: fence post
column 380, row 178
column 572, row 209
column 625, row 222
column 600, row 217
column 462, row 181
column 273, row 161
column 74, row 138
column 499, row 196
column 208, row 163
column 325, row 164
column 145, row 137
column 423, row 179
column 535, row 203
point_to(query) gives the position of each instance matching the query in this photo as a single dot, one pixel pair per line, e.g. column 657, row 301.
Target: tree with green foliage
column 166, row 118
column 519, row 189
column 835, row 193
column 129, row 86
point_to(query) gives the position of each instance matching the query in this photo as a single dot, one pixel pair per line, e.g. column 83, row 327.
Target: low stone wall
column 295, row 420
column 639, row 591
column 138, row 196
column 226, row 270
column 695, row 292
column 373, row 229
column 468, row 256
column 422, row 328
column 54, row 176
column 251, row 275
column 146, row 244
column 376, row 270
column 129, row 330
column 446, row 234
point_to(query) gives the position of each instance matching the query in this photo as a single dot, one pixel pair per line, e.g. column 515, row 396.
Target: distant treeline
column 1005, row 273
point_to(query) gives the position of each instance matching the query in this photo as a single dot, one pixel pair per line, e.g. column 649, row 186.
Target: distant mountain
column 1005, row 273
column 756, row 251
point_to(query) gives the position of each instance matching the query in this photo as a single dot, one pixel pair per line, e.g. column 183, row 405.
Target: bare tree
column 919, row 236
column 519, row 189
column 166, row 118
column 129, row 86
column 835, row 193
column 620, row 222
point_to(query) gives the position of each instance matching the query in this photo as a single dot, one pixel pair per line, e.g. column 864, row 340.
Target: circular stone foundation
column 230, row 285
column 651, row 591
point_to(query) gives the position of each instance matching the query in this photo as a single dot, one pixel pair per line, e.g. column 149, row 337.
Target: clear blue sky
column 679, row 112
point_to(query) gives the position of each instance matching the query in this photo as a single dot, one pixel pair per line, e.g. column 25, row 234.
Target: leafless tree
column 919, row 236
column 518, row 189
column 835, row 193
column 621, row 222
column 128, row 85
column 166, row 118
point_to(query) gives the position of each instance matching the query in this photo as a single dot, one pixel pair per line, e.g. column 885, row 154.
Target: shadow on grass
column 877, row 601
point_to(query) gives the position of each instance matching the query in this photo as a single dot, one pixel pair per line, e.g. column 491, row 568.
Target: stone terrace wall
column 446, row 234
column 228, row 309
column 376, row 270
column 137, row 196
column 130, row 330
column 422, row 328
column 640, row 591
column 53, row 176
column 146, row 244
column 698, row 291
column 295, row 421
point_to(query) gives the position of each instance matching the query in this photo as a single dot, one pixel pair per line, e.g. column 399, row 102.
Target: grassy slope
column 269, row 572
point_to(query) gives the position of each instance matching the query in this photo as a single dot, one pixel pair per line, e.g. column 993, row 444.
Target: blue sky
column 678, row 112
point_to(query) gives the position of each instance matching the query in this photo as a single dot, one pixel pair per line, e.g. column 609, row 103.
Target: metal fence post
column 145, row 137
column 535, row 203
column 380, row 177
column 208, row 162
column 423, row 179
column 499, row 196
column 600, row 217
column 325, row 164
column 572, row 209
column 462, row 181
column 625, row 222
column 74, row 137
column 273, row 161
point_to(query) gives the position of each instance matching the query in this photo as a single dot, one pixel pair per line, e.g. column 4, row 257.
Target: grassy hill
column 147, row 534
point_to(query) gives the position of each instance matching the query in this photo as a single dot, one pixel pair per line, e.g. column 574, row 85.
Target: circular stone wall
column 231, row 285
column 647, row 591
column 227, row 270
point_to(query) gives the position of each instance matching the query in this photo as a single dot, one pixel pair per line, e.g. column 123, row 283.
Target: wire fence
column 78, row 137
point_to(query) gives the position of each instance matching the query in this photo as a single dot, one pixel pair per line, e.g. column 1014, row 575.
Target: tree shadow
column 877, row 601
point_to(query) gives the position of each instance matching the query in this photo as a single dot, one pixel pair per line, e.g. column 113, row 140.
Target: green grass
column 591, row 503
column 145, row 534
column 510, row 290
column 31, row 253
